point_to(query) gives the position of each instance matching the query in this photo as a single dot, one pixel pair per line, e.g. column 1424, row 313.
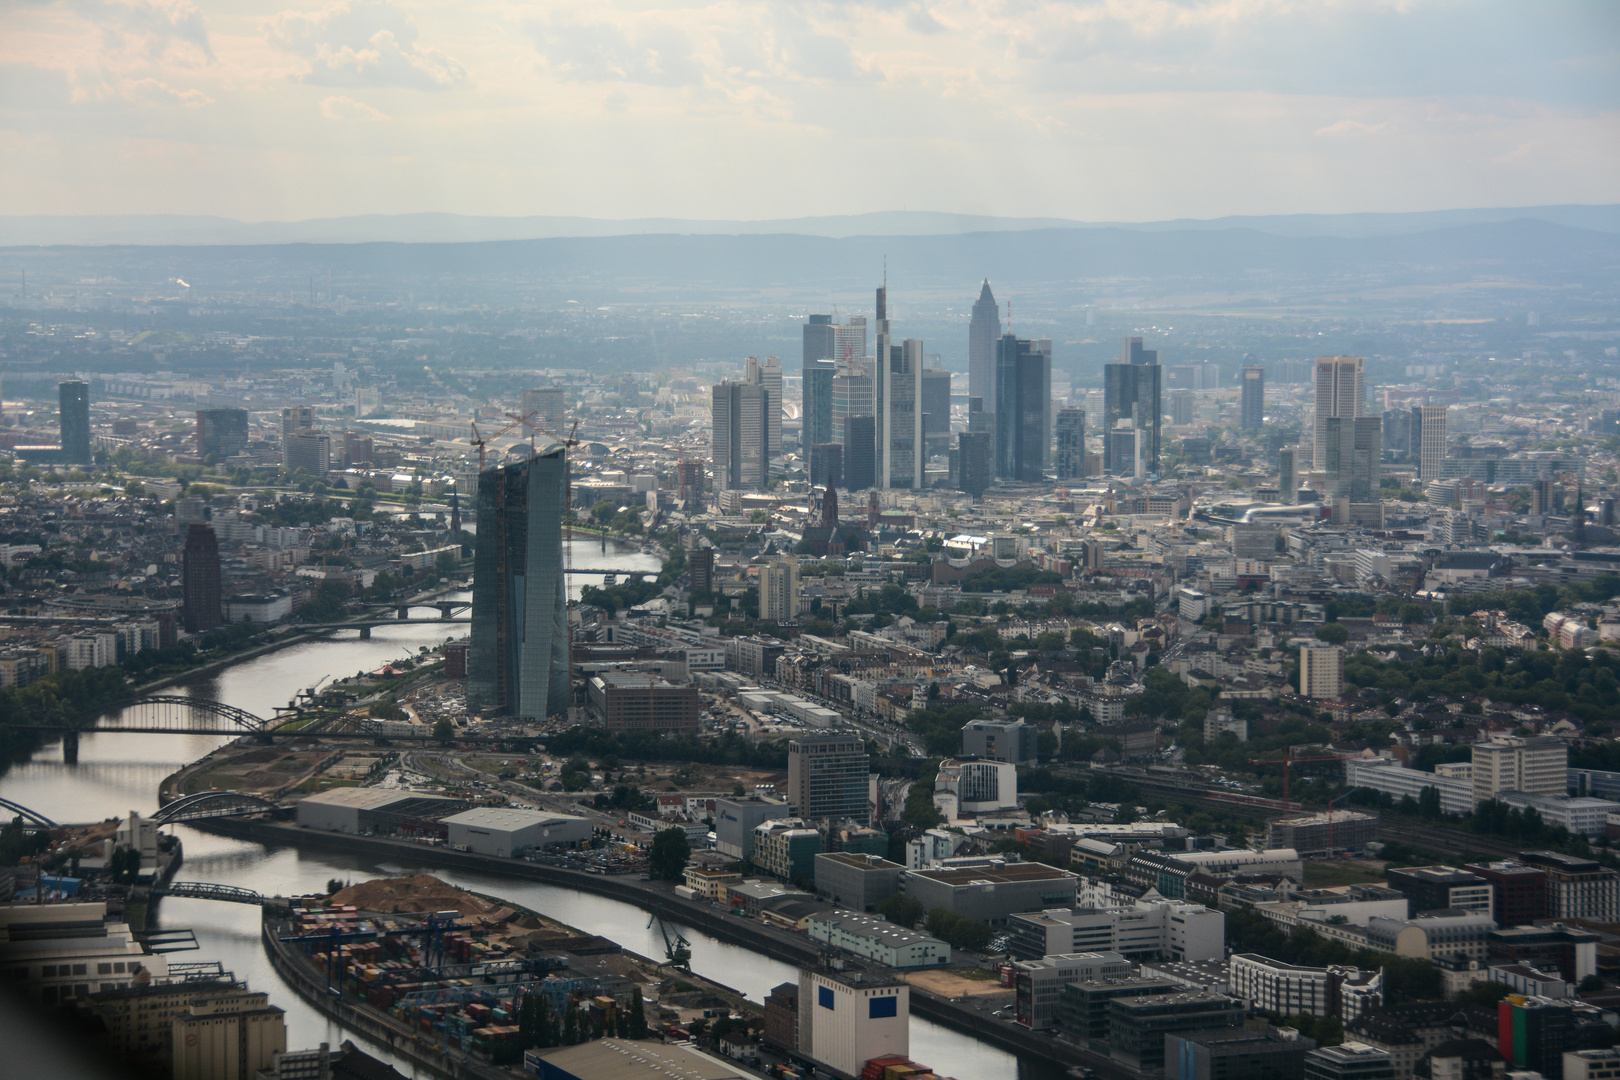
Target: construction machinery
column 1288, row 761
column 677, row 950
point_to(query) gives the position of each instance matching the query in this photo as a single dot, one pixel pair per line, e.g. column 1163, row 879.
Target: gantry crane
column 1287, row 761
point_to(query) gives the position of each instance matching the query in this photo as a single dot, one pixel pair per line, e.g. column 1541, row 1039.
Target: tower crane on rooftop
column 480, row 442
column 1287, row 761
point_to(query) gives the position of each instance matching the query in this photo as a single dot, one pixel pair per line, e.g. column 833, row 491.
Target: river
column 117, row 773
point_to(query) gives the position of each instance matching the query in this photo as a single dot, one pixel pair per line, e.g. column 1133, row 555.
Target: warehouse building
column 364, row 811
column 878, row 940
column 991, row 891
column 503, row 833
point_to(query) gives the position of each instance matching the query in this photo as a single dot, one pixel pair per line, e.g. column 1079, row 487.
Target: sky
column 1114, row 110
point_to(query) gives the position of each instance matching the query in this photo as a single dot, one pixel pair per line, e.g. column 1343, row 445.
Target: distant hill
column 182, row 230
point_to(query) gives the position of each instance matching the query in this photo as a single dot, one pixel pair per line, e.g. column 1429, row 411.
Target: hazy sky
column 1111, row 110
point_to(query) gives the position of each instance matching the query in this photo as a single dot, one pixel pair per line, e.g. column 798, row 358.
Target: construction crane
column 1287, row 761
column 479, row 441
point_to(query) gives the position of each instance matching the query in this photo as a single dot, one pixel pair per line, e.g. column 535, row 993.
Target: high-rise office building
column 700, row 564
column 827, row 777
column 1429, row 429
column 849, row 339
column 1252, row 414
column 356, row 450
column 1398, row 427
column 901, row 455
column 984, row 330
column 1183, row 407
column 936, row 409
column 860, row 452
column 1321, row 672
column 779, row 591
column 1123, row 447
column 738, row 439
column 852, row 393
column 820, row 365
column 1287, row 479
column 517, row 659
column 971, row 461
column 1069, row 461
column 221, row 433
column 1339, row 394
column 1023, row 396
column 1354, row 455
column 1132, row 391
column 548, row 408
column 769, row 375
column 296, row 418
column 73, row 416
column 827, row 465
column 689, row 483
column 308, row 450
column 199, row 580
column 1538, row 765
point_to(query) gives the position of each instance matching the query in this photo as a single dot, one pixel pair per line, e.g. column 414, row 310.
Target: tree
column 638, row 1015
column 443, row 730
column 1591, row 984
column 334, row 885
column 900, row 909
column 667, row 859
column 1333, row 633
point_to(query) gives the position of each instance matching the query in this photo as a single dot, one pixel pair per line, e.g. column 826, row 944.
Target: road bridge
column 16, row 809
column 212, row 804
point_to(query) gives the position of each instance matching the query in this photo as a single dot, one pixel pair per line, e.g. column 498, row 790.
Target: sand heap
column 424, row 892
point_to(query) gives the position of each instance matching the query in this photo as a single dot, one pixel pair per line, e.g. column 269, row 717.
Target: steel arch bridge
column 35, row 816
column 172, row 712
column 211, row 804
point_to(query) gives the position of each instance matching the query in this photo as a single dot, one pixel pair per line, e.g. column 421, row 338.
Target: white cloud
column 346, row 108
column 363, row 43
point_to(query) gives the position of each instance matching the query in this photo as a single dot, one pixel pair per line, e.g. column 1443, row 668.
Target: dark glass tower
column 199, row 580
column 1253, row 415
column 1023, row 404
column 73, row 403
column 820, row 352
column 1132, row 391
column 517, row 661
column 860, row 452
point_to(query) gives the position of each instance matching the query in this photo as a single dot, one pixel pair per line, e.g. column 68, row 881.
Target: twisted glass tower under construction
column 517, row 662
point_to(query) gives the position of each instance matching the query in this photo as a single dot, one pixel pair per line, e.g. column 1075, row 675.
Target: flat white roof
column 508, row 818
column 363, row 798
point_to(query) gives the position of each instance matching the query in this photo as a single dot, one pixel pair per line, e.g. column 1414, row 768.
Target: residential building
column 1023, row 407
column 990, row 891
column 827, row 777
column 633, row 701
column 848, row 1017
column 984, row 330
column 73, row 417
column 1069, row 457
column 1176, row 930
column 1340, row 394
column 855, row 880
column 1321, row 672
column 1132, row 391
column 1349, row 1061
column 1252, row 410
column 1577, row 888
column 201, row 602
column 1038, row 984
column 779, row 591
column 787, row 849
column 221, row 433
column 1435, row 888
column 1291, row 989
column 877, row 940
column 308, row 450
column 1138, row 1025
column 1537, row 765
column 1000, row 740
column 517, row 658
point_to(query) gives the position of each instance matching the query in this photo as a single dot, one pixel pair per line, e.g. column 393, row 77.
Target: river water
column 117, row 773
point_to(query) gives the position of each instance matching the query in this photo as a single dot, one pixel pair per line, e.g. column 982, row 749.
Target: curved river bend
column 117, row 773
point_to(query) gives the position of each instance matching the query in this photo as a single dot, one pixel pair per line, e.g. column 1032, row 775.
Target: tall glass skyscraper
column 1023, row 412
column 820, row 345
column 984, row 329
column 517, row 662
column 1132, row 390
column 73, row 405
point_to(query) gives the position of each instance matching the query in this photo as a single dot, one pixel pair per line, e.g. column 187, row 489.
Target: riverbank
column 655, row 898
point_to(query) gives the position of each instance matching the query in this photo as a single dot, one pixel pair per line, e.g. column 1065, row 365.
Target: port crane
column 677, row 949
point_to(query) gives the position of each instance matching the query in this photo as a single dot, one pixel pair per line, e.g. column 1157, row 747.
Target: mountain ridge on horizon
column 429, row 228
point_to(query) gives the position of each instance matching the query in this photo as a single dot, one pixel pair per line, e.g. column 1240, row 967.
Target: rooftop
column 364, row 798
column 497, row 817
column 859, row 861
column 994, row 875
column 631, row 1059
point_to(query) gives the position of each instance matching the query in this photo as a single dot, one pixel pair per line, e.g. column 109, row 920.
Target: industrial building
column 992, row 891
column 878, row 940
column 850, row 1016
column 633, row 701
column 56, row 952
column 855, row 880
column 361, row 811
column 504, row 833
column 621, row 1059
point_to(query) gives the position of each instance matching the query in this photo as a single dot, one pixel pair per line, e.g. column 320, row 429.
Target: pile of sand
column 424, row 892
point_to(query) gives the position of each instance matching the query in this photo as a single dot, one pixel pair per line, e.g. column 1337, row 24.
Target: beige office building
column 1432, row 444
column 1321, row 672
column 1537, row 766
column 1340, row 392
column 779, row 592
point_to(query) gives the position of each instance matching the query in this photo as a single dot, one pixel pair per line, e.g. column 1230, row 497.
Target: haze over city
column 810, row 541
